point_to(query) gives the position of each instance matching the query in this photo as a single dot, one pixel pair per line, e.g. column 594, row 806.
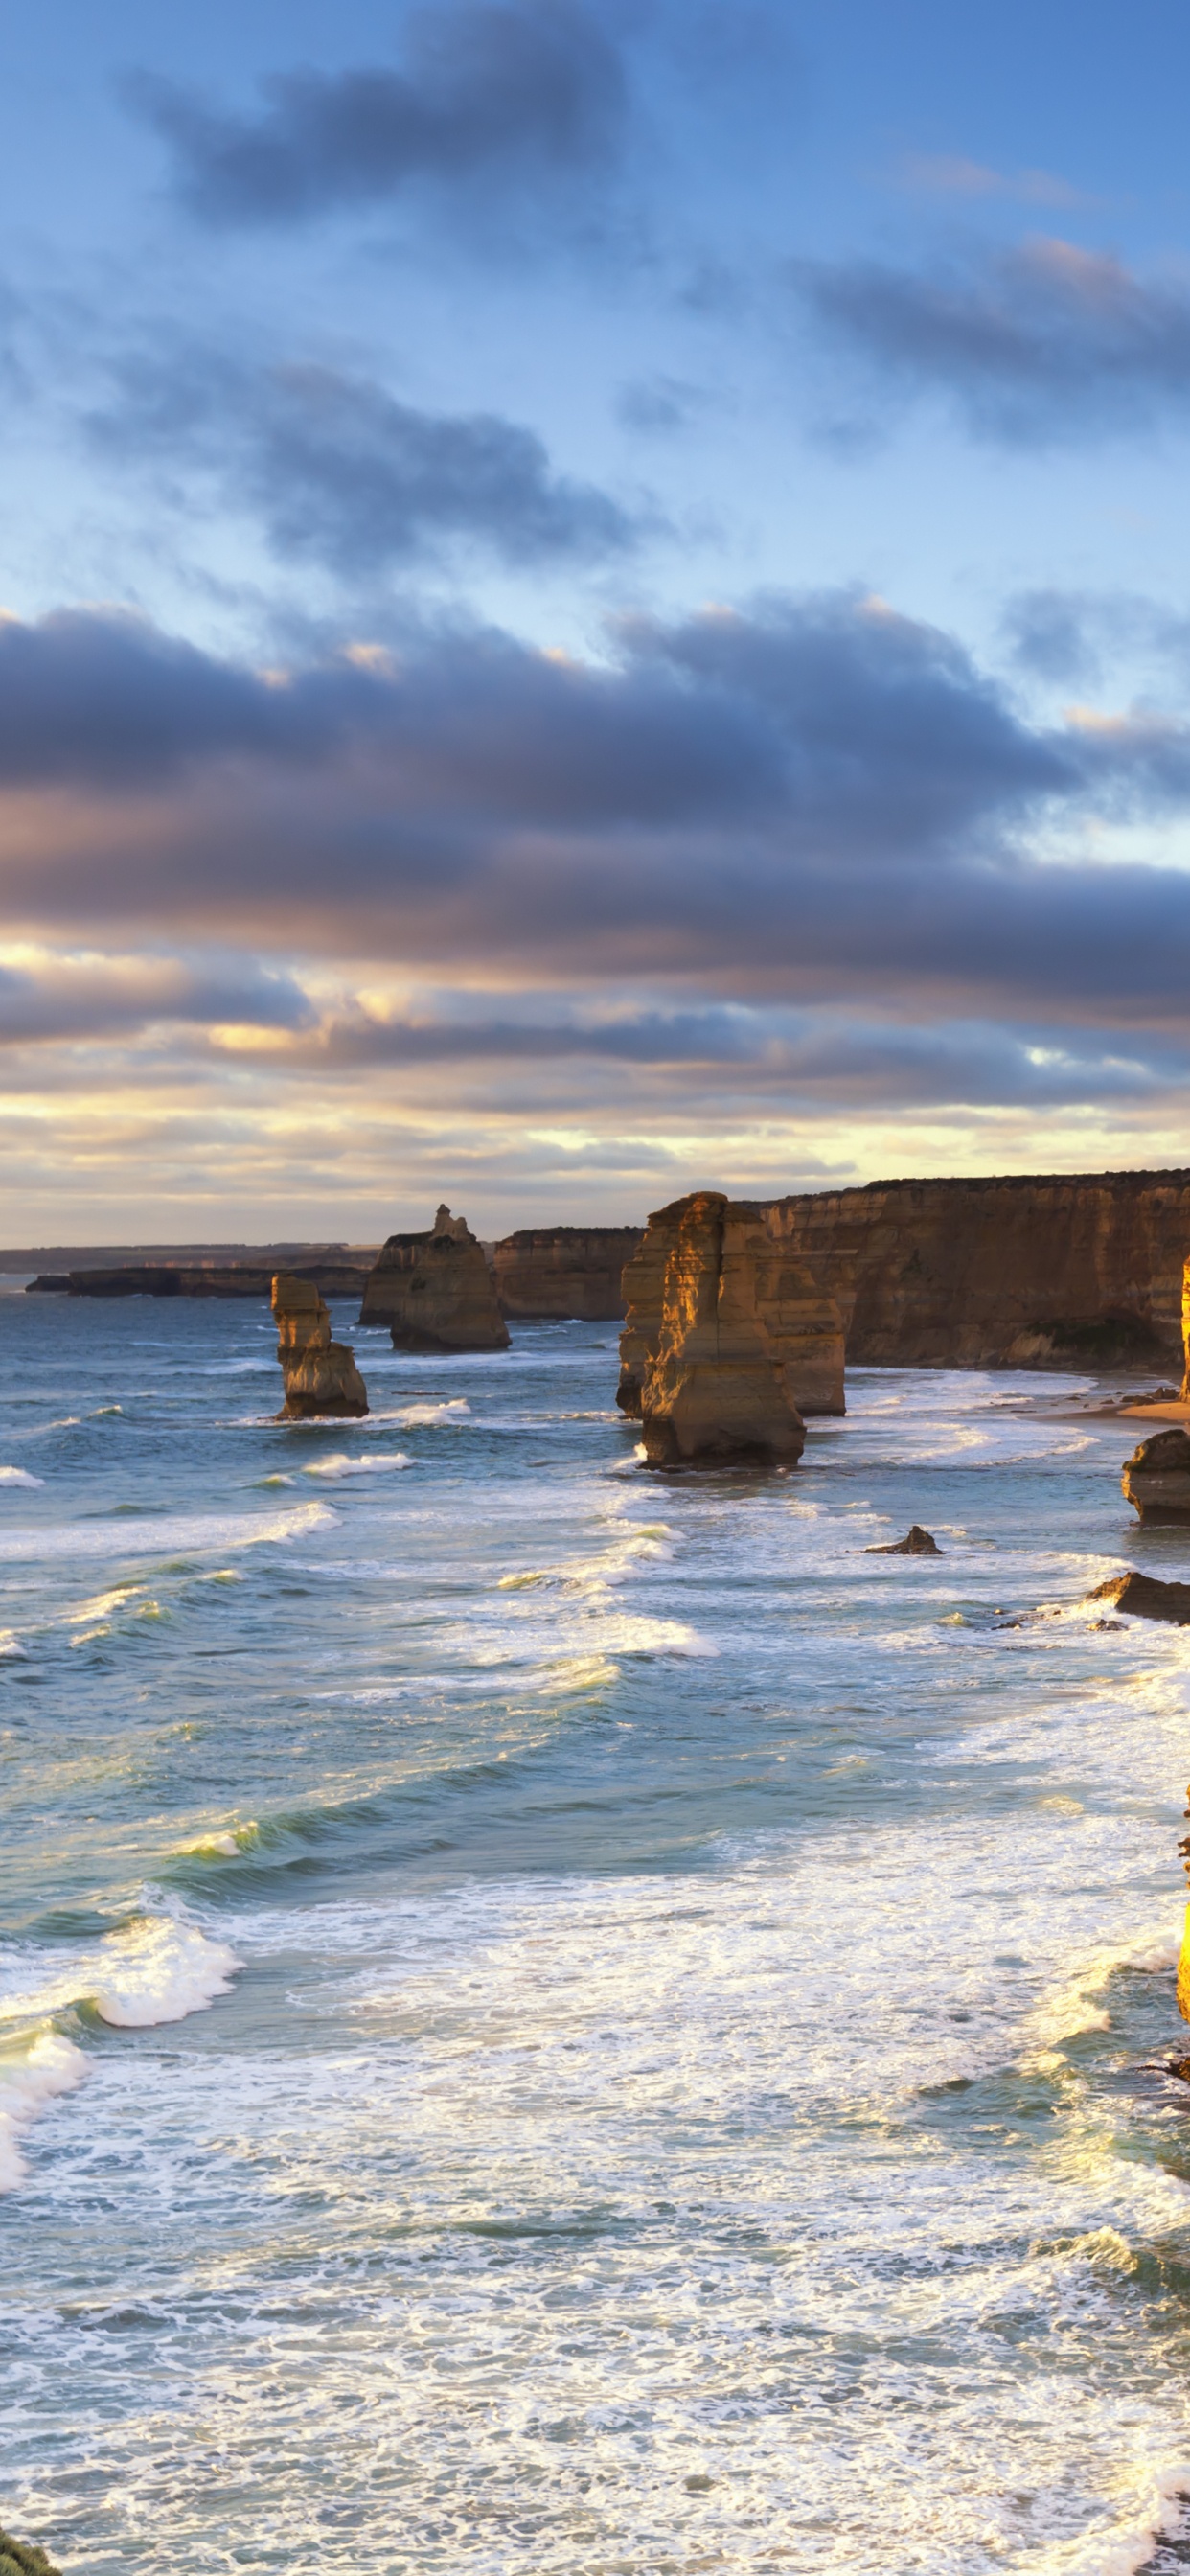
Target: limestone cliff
column 1001, row 1273
column 320, row 1375
column 435, row 1291
column 802, row 1327
column 717, row 1390
column 546, row 1273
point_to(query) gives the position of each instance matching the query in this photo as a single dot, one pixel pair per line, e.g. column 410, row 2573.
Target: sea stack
column 717, row 1392
column 802, row 1329
column 320, row 1375
column 1156, row 1479
column 435, row 1291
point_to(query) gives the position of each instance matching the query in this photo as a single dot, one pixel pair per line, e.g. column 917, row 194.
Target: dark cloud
column 814, row 798
column 1042, row 344
column 77, row 999
column 340, row 473
column 493, row 96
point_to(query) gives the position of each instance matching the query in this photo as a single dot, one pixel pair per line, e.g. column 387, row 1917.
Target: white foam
column 372, row 1463
column 152, row 1970
column 19, row 1476
column 48, row 2068
column 224, row 1843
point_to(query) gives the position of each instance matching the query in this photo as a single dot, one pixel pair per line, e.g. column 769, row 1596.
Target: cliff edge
column 1082, row 1272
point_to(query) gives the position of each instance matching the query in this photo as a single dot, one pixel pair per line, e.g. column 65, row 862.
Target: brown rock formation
column 802, row 1329
column 1156, row 1479
column 917, row 1543
column 546, row 1273
column 717, row 1391
column 435, row 1291
column 320, row 1375
column 1143, row 1597
column 1041, row 1273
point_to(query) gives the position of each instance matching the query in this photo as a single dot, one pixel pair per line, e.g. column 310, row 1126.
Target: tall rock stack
column 435, row 1291
column 320, row 1375
column 716, row 1385
column 802, row 1326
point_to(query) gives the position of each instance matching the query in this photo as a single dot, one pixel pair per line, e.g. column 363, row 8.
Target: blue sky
column 596, row 600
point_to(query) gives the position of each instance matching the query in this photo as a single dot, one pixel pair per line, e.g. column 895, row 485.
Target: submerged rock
column 800, row 1326
column 717, row 1392
column 1156, row 1479
column 320, row 1375
column 435, row 1291
column 1143, row 1597
column 918, row 1542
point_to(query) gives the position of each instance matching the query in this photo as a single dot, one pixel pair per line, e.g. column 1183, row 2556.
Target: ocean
column 560, row 2018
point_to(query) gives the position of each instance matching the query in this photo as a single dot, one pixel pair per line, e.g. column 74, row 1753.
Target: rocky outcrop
column 320, row 1375
column 1047, row 1273
column 1143, row 1597
column 545, row 1274
column 802, row 1328
column 1156, row 1479
column 435, row 1291
column 918, row 1542
column 716, row 1391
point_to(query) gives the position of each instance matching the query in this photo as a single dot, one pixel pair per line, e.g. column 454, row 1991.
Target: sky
column 595, row 601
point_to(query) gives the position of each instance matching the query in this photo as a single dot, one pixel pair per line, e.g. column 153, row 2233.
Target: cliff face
column 1001, row 1273
column 320, row 1375
column 802, row 1329
column 335, row 1278
column 546, row 1273
column 435, row 1291
column 716, row 1391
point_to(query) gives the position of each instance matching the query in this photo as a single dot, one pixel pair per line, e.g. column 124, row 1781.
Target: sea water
column 560, row 2018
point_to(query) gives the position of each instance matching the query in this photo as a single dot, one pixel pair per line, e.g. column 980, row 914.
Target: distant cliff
column 1031, row 1273
column 546, row 1273
column 435, row 1291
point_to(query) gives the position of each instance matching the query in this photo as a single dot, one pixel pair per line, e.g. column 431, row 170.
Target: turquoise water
column 567, row 2020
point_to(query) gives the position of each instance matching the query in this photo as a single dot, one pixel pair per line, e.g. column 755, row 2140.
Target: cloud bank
column 814, row 797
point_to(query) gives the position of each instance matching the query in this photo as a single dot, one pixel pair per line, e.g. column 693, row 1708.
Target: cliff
column 320, row 1375
column 716, row 1391
column 801, row 1324
column 435, row 1291
column 334, row 1277
column 546, row 1273
column 1037, row 1273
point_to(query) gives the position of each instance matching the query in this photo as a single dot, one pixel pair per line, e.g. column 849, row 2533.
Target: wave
column 19, row 1476
column 172, row 1535
column 49, row 2067
column 372, row 1463
column 153, row 1969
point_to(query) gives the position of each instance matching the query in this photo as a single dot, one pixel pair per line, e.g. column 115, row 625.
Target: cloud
column 1044, row 344
column 950, row 174
column 494, row 97
column 54, row 998
column 340, row 473
column 814, row 798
